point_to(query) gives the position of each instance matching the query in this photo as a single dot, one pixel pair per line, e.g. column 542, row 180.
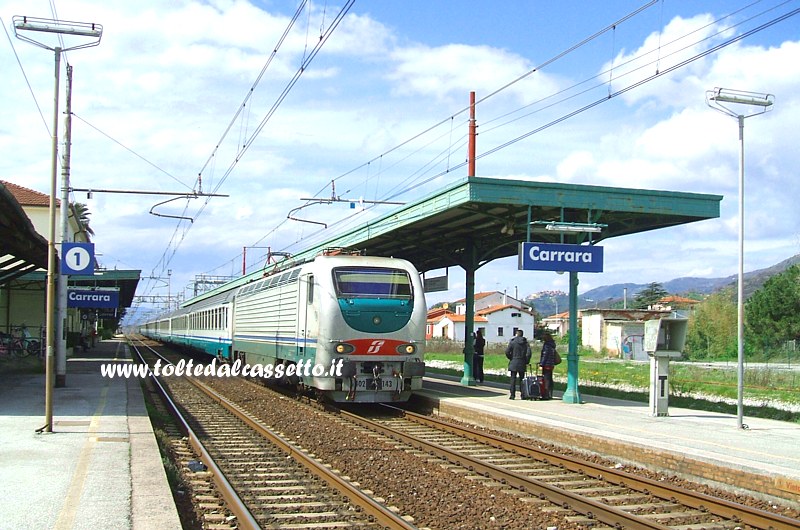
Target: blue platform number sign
column 560, row 257
column 77, row 259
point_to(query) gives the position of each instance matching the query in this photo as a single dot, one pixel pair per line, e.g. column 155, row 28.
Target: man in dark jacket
column 518, row 353
column 477, row 359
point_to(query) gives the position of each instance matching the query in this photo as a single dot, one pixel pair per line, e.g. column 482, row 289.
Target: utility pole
column 61, row 305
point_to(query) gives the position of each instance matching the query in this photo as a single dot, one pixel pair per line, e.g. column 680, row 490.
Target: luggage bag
column 532, row 386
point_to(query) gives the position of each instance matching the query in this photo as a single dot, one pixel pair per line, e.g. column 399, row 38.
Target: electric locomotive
column 351, row 328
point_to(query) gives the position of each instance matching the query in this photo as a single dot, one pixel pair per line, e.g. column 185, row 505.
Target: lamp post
column 763, row 103
column 79, row 29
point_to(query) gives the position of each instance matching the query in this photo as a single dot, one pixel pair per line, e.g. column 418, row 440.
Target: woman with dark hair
column 547, row 360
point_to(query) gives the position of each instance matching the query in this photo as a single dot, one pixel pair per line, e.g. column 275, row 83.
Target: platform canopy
column 477, row 220
column 22, row 249
column 495, row 215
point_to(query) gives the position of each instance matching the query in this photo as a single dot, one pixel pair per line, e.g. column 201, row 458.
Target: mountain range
column 610, row 295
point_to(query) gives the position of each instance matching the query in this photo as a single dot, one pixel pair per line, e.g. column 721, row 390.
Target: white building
column 497, row 315
column 619, row 331
column 558, row 324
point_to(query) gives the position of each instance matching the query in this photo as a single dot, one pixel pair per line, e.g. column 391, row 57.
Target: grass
column 770, row 390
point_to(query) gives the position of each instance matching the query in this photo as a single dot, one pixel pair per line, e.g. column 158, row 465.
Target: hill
column 610, row 295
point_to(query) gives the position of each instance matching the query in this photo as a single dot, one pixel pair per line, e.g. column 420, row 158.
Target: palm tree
column 82, row 214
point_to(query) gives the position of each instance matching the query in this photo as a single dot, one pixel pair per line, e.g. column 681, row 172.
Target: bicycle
column 21, row 344
column 8, row 350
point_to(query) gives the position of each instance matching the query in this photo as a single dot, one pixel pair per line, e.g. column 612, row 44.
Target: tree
column 772, row 314
column 650, row 295
column 712, row 328
column 82, row 214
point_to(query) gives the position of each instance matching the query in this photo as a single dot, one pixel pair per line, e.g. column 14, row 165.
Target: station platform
column 706, row 447
column 99, row 468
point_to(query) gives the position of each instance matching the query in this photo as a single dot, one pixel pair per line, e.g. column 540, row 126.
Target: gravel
column 435, row 497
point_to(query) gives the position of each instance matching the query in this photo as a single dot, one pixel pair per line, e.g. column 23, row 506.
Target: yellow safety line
column 69, row 511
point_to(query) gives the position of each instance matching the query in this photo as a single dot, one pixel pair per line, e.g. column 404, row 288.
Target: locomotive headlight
column 376, row 320
column 344, row 348
column 406, row 349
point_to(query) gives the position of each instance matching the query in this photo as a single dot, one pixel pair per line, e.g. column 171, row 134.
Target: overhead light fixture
column 574, row 227
column 722, row 95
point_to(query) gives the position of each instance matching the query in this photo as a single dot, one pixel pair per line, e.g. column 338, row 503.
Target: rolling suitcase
column 532, row 386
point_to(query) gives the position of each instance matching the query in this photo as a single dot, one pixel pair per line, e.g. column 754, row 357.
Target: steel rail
column 566, row 499
column 244, row 519
column 721, row 507
column 381, row 513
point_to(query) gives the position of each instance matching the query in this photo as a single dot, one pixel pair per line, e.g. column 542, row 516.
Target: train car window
column 295, row 274
column 372, row 282
column 310, row 282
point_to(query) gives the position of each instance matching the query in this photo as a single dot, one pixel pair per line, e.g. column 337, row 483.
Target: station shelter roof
column 22, row 249
column 494, row 215
column 126, row 280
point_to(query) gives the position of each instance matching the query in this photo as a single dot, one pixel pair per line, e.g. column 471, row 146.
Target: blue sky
column 153, row 100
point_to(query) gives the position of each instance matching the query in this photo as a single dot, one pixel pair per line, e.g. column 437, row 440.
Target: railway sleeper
column 648, row 506
column 674, row 516
column 706, row 526
column 306, row 515
column 577, row 484
column 606, row 492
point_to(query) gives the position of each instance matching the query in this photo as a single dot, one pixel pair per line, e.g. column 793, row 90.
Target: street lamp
column 79, row 29
column 761, row 103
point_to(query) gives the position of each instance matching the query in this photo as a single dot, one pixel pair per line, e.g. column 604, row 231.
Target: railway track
column 595, row 493
column 573, row 491
column 267, row 480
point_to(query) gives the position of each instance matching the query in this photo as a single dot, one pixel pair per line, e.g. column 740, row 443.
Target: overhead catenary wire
column 178, row 236
column 411, row 184
column 134, row 153
column 408, row 184
column 25, row 76
column 341, row 14
column 255, row 84
column 656, row 74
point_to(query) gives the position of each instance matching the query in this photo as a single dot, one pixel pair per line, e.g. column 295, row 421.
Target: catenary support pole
column 61, row 323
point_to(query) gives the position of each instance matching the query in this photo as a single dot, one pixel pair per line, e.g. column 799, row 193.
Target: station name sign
column 559, row 257
column 93, row 299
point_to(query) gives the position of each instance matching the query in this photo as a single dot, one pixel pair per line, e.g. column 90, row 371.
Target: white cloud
column 456, row 69
column 167, row 79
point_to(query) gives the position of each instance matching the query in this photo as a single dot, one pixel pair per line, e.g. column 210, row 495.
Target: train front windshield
column 372, row 282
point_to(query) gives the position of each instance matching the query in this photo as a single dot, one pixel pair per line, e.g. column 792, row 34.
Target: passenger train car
column 353, row 326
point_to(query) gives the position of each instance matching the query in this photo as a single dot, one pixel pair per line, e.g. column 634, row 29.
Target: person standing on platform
column 518, row 354
column 84, row 339
column 547, row 360
column 477, row 358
